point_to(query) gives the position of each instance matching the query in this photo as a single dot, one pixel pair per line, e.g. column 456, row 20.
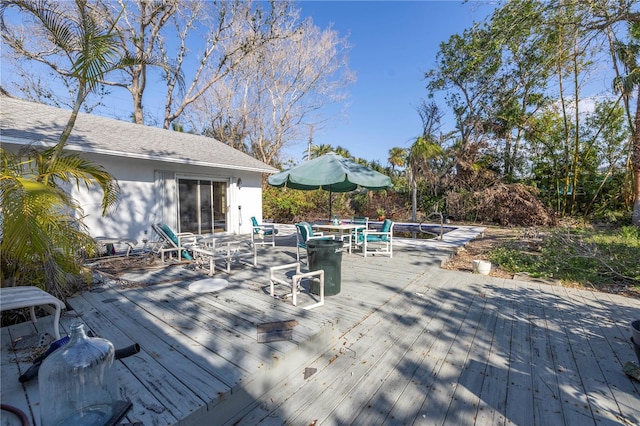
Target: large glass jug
column 77, row 382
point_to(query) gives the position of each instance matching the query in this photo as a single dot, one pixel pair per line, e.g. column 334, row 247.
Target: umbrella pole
column 330, row 208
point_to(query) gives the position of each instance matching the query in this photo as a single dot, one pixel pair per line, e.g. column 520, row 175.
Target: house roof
column 23, row 122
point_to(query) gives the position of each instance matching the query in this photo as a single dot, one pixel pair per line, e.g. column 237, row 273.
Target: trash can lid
column 324, row 243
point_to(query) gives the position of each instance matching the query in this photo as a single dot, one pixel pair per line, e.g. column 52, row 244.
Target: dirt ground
column 116, row 266
column 479, row 248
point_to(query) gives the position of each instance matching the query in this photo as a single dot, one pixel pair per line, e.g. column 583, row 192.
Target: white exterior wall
column 249, row 197
column 149, row 195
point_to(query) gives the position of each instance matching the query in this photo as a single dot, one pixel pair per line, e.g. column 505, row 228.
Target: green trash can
column 326, row 255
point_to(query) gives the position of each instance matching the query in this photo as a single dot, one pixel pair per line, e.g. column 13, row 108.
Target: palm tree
column 425, row 149
column 320, row 150
column 397, row 157
column 42, row 225
column 421, row 152
column 344, row 152
column 91, row 47
column 375, row 165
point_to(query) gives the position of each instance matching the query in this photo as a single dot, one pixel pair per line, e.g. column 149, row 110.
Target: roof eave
column 78, row 148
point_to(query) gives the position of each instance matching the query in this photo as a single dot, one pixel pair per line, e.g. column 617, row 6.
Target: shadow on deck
column 200, row 362
column 403, row 341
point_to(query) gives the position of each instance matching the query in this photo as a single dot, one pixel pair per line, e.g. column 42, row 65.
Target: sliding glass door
column 202, row 206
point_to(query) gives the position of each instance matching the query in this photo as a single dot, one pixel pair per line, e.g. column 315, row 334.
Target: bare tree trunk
column 414, row 199
column 565, row 119
column 508, row 158
column 576, row 136
column 635, row 164
column 137, row 89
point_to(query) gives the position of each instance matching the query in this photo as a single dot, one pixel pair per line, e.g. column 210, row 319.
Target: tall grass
column 585, row 256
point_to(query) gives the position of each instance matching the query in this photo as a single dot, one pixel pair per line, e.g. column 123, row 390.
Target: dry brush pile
column 506, row 205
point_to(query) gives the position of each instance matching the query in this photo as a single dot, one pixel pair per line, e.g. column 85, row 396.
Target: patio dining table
column 340, row 230
column 212, row 247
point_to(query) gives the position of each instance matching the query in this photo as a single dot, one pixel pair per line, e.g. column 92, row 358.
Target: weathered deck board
column 409, row 403
column 404, row 342
column 574, row 401
column 605, row 339
column 172, row 357
column 390, row 390
column 13, row 365
column 520, row 402
column 600, row 400
column 376, row 383
column 455, row 341
column 474, row 368
column 195, row 348
column 503, row 371
column 184, row 321
column 545, row 384
column 493, row 394
column 363, row 347
column 360, row 347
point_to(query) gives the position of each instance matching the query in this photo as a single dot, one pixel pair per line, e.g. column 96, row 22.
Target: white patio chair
column 295, row 283
column 378, row 242
column 228, row 252
column 174, row 242
column 265, row 232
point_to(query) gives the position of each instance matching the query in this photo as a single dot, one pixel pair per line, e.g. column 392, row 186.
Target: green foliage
column 359, row 203
column 511, row 127
column 513, row 260
column 43, row 234
column 290, row 205
column 585, row 256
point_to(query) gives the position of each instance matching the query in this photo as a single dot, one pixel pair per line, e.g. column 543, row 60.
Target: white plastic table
column 340, row 230
column 214, row 248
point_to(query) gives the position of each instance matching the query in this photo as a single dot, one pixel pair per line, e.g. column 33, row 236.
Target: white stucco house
column 192, row 183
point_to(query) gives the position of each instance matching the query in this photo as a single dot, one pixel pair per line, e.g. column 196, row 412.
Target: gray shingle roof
column 24, row 122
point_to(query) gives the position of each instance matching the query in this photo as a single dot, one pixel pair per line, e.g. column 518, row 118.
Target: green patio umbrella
column 332, row 173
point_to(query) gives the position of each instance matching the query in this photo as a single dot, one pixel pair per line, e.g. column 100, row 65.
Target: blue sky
column 393, row 44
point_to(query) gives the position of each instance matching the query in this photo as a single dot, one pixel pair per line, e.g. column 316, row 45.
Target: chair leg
column 275, row 280
column 295, row 282
column 255, row 256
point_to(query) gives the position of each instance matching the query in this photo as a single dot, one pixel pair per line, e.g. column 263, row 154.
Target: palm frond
column 43, row 233
column 74, row 169
column 59, row 27
column 29, row 209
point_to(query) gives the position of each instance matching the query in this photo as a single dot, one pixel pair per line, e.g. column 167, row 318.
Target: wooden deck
column 404, row 342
